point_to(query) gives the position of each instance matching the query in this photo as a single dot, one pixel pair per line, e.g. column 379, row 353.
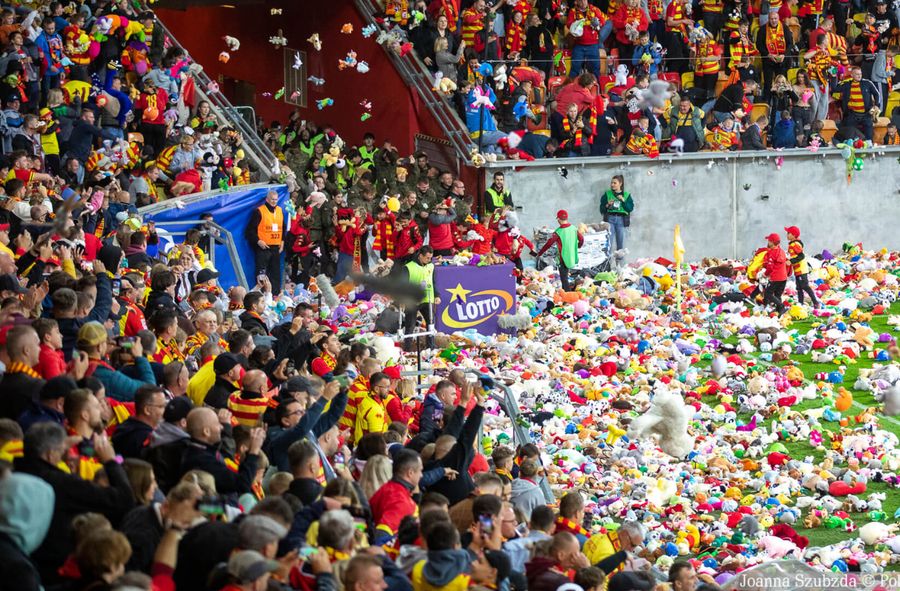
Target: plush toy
column 621, row 75
column 500, row 77
column 666, row 418
column 872, row 533
column 776, row 547
column 891, row 400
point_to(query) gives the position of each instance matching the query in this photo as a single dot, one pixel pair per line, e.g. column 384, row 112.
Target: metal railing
column 418, row 76
column 253, row 145
column 509, row 406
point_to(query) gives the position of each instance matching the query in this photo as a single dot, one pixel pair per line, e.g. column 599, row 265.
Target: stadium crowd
column 574, row 78
column 159, row 432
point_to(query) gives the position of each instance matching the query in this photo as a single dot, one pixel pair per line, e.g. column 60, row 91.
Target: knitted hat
column 392, row 371
column 225, row 363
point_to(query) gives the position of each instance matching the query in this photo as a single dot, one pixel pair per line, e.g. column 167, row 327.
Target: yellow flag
column 679, row 247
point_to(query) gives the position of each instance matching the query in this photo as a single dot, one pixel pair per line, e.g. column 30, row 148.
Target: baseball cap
column 249, row 565
column 4, row 227
column 792, row 230
column 56, row 388
column 297, row 384
column 177, row 409
column 206, row 274
column 9, row 282
column 91, row 334
column 258, row 531
column 392, row 371
column 773, row 238
column 225, row 362
column 562, row 214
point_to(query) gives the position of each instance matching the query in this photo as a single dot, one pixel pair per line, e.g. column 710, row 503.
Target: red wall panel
column 397, row 112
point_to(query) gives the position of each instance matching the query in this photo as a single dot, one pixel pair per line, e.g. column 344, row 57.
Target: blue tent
column 231, row 210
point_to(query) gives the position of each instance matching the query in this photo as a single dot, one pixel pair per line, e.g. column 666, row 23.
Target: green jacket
column 696, row 123
column 610, row 204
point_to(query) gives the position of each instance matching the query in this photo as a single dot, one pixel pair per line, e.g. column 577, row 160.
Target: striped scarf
column 706, row 49
column 564, row 524
column 819, row 65
column 448, row 8
column 775, row 43
column 579, row 133
column 19, row 367
column 856, row 102
column 358, row 390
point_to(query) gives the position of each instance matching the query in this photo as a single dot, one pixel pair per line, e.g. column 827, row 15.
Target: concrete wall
column 725, row 204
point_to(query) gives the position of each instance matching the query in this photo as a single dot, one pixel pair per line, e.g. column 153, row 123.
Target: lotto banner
column 473, row 297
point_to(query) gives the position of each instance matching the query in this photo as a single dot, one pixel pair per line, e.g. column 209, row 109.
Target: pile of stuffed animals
column 711, row 427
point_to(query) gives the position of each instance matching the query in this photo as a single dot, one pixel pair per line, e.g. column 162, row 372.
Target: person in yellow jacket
column 358, row 391
column 372, row 415
column 614, row 547
column 49, row 142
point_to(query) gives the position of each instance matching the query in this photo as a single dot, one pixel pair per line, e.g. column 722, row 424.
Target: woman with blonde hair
column 376, row 473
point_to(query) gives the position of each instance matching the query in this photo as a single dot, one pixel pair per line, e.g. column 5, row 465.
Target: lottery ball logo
column 467, row 308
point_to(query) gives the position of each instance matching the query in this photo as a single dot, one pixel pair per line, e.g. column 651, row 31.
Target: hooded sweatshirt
column 442, row 566
column 26, row 507
column 526, row 495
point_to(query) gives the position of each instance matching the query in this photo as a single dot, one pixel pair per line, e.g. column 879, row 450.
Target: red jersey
column 407, row 240
column 589, row 35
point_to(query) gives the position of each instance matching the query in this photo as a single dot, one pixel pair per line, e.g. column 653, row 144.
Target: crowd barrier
column 725, row 202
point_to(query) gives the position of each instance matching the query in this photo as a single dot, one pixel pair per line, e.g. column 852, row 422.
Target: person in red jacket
column 302, row 247
column 408, row 239
column 517, row 245
column 393, row 501
column 466, row 237
column 776, row 265
column 51, row 362
column 349, row 226
column 152, row 103
column 441, row 222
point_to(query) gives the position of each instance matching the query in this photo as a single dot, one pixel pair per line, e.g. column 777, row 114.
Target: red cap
column 392, row 371
column 4, row 227
column 793, row 230
column 774, row 238
column 562, row 214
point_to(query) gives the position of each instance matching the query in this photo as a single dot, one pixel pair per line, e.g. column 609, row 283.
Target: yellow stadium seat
column 792, row 75
column 880, row 129
column 892, row 102
column 758, row 110
column 828, row 130
column 687, row 80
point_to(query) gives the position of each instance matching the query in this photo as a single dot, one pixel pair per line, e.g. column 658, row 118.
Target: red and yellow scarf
column 775, row 43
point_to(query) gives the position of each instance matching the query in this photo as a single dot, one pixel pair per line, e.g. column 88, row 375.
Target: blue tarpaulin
column 231, row 210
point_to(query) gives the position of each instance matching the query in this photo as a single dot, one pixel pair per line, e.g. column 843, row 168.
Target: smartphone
column 487, row 525
column 307, row 551
column 211, row 505
column 343, row 380
column 116, row 286
column 125, row 342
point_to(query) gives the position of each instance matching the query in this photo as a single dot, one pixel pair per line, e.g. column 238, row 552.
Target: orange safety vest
column 271, row 225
